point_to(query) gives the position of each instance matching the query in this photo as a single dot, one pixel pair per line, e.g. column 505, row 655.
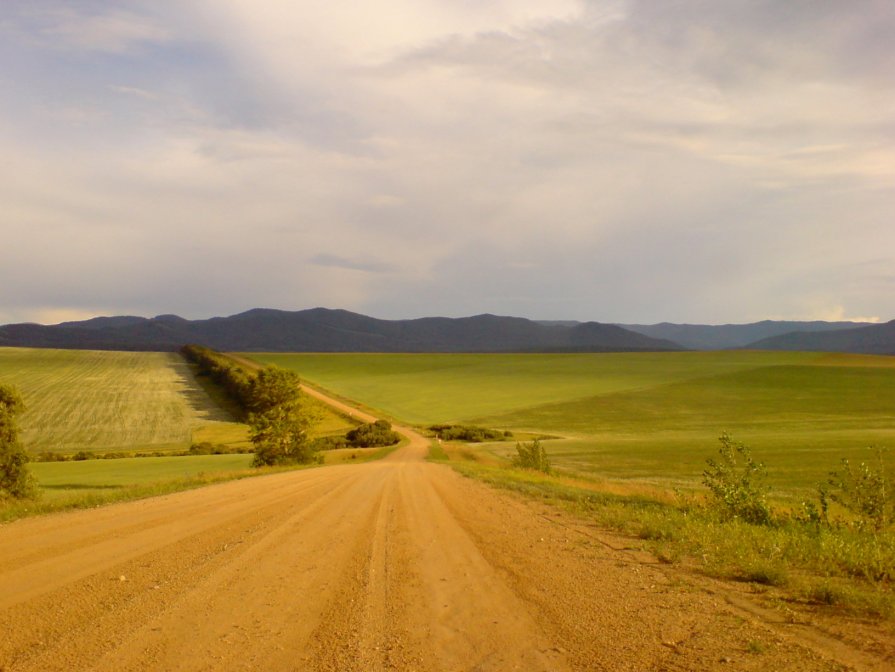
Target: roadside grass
column 80, row 485
column 91, row 483
column 839, row 566
column 70, row 485
column 358, row 455
column 332, row 422
column 437, row 451
column 797, row 463
column 110, row 401
column 61, row 479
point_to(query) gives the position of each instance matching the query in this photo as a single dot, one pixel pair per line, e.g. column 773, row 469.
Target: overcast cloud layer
column 635, row 161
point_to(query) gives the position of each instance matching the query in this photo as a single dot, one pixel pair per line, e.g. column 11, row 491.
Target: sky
column 609, row 160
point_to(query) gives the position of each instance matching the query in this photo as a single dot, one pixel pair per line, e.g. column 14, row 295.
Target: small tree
column 273, row 387
column 280, row 422
column 379, row 433
column 280, row 436
column 865, row 491
column 532, row 456
column 736, row 482
column 15, row 479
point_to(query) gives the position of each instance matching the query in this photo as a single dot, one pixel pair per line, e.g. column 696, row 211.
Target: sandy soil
column 391, row 565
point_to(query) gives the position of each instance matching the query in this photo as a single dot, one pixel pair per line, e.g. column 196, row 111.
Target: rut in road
column 397, row 564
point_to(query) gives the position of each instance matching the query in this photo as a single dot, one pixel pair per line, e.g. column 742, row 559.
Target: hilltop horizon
column 328, row 330
column 74, row 317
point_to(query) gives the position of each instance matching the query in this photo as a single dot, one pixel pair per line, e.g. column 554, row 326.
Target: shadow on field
column 202, row 396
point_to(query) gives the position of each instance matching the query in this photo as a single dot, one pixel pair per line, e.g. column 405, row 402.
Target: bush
column 532, row 456
column 15, row 479
column 82, row 455
column 48, row 456
column 373, row 435
column 208, row 448
column 469, row 433
column 865, row 491
column 736, row 483
column 329, row 443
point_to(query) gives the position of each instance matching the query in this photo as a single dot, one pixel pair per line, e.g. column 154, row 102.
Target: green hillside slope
column 649, row 416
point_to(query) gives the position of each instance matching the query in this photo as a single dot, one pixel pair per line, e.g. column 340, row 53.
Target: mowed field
column 102, row 401
column 651, row 417
column 111, row 401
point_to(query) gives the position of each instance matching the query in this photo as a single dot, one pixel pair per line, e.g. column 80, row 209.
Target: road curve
column 391, row 565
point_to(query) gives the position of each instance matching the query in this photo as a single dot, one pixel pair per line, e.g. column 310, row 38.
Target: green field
column 651, row 417
column 59, row 479
column 89, row 483
column 111, row 401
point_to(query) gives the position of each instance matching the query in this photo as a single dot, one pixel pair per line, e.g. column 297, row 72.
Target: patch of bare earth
column 392, row 565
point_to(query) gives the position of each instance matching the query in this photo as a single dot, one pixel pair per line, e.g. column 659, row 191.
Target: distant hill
column 723, row 336
column 560, row 323
column 875, row 339
column 324, row 330
column 103, row 322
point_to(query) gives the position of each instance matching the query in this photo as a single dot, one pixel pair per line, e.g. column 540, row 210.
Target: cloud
column 50, row 315
column 839, row 314
column 135, row 91
column 747, row 83
column 367, row 266
column 88, row 26
column 620, row 161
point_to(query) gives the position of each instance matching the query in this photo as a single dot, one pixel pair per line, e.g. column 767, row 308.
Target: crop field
column 651, row 417
column 109, row 401
column 122, row 401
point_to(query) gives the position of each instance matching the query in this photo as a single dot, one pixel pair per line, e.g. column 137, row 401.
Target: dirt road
column 396, row 564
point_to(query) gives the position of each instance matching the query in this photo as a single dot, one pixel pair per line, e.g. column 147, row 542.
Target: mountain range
column 722, row 336
column 325, row 330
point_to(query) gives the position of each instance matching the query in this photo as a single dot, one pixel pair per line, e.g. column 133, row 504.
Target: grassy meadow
column 89, row 483
column 61, row 479
column 651, row 417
